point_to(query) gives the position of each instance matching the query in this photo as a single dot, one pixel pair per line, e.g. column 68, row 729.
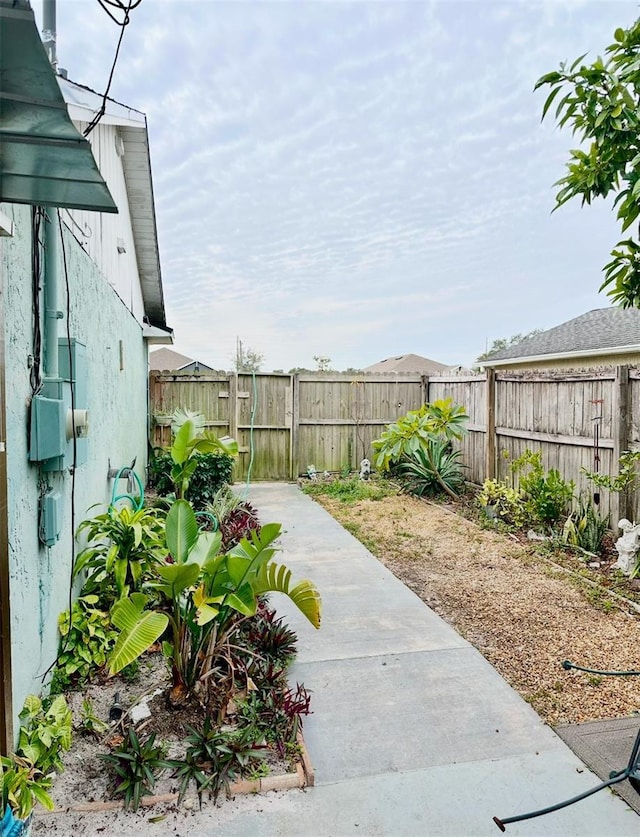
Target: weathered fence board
column 330, row 420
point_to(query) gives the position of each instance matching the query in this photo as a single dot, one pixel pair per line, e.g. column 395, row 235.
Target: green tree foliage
column 247, row 359
column 506, row 343
column 600, row 102
column 323, row 363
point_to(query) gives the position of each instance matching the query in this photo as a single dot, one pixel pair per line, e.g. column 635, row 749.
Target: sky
column 355, row 180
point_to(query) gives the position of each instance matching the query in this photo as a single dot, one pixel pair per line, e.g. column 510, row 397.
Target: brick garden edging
column 304, row 777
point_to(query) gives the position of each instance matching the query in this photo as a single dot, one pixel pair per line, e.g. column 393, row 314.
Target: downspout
column 51, row 311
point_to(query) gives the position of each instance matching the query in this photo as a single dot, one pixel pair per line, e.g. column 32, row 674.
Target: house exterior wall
column 117, row 402
column 98, row 233
column 577, row 362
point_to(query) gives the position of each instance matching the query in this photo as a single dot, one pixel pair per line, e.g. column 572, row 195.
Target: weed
column 351, row 490
column 89, row 721
column 258, row 771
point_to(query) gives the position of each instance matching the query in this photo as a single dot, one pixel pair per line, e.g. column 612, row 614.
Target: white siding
column 98, row 233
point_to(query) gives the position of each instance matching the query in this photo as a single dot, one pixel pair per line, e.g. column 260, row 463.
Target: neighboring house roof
column 83, row 103
column 407, row 363
column 603, row 331
column 168, row 359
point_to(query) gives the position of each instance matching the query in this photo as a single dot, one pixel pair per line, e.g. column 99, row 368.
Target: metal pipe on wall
column 49, row 31
column 51, row 311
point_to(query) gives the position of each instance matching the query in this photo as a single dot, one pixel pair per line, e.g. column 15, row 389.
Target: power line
column 126, row 10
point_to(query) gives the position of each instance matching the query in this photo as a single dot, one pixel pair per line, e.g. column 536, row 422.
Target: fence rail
column 284, row 423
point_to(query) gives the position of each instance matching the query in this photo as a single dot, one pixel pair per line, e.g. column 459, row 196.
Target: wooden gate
column 256, row 410
column 284, row 423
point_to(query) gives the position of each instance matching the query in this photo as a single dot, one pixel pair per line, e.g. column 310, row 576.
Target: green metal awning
column 43, row 157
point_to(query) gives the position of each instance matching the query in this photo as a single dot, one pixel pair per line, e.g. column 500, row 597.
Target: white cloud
column 355, row 179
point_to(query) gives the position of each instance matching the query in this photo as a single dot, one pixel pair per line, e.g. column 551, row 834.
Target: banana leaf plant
column 201, row 596
column 190, row 439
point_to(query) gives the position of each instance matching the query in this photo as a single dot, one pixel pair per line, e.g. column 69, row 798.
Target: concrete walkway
column 412, row 731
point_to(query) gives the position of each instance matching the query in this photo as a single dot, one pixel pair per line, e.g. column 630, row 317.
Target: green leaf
column 206, row 547
column 210, row 443
column 181, row 530
column 619, row 35
column 182, row 444
column 549, row 101
column 42, row 797
column 178, row 577
column 601, row 117
column 139, row 630
column 243, row 599
column 120, row 573
column 277, row 579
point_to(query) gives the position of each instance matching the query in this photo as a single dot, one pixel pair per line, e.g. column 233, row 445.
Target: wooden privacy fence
column 288, row 421
column 329, row 420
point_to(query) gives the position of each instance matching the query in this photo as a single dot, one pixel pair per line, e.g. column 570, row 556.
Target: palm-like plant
column 123, row 546
column 434, row 468
column 202, row 596
column 190, row 439
column 417, row 429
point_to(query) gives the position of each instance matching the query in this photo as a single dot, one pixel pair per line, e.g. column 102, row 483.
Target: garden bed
column 83, row 791
column 524, row 609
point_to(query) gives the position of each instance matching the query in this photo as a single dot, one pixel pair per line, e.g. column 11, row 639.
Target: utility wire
column 126, row 10
column 65, row 640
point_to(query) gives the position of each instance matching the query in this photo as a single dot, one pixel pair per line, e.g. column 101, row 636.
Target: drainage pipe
column 51, row 311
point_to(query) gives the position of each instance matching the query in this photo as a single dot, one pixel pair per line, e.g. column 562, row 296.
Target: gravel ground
column 521, row 613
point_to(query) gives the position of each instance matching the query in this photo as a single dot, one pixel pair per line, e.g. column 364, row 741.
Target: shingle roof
column 602, row 328
column 407, row 363
column 168, row 359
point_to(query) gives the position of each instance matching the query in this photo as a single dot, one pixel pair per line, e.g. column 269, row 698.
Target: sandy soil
column 523, row 615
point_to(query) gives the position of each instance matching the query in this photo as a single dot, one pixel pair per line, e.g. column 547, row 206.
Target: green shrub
column 45, row 730
column 432, row 422
column 502, row 503
column 585, row 528
column 212, row 472
column 135, row 765
column 86, row 641
column 547, row 496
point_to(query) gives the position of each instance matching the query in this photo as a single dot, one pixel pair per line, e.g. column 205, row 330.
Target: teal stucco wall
column 117, row 403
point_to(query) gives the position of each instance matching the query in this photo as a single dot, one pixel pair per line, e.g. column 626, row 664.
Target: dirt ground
column 521, row 613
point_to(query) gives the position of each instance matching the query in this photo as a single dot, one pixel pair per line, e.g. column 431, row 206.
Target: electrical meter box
column 48, row 434
column 57, row 417
column 50, row 522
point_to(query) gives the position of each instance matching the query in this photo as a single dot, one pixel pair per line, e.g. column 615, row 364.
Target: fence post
column 424, row 389
column 620, row 422
column 295, row 427
column 490, row 441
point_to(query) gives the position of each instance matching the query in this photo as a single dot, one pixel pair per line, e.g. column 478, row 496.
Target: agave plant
column 439, row 420
column 202, row 595
column 434, row 468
